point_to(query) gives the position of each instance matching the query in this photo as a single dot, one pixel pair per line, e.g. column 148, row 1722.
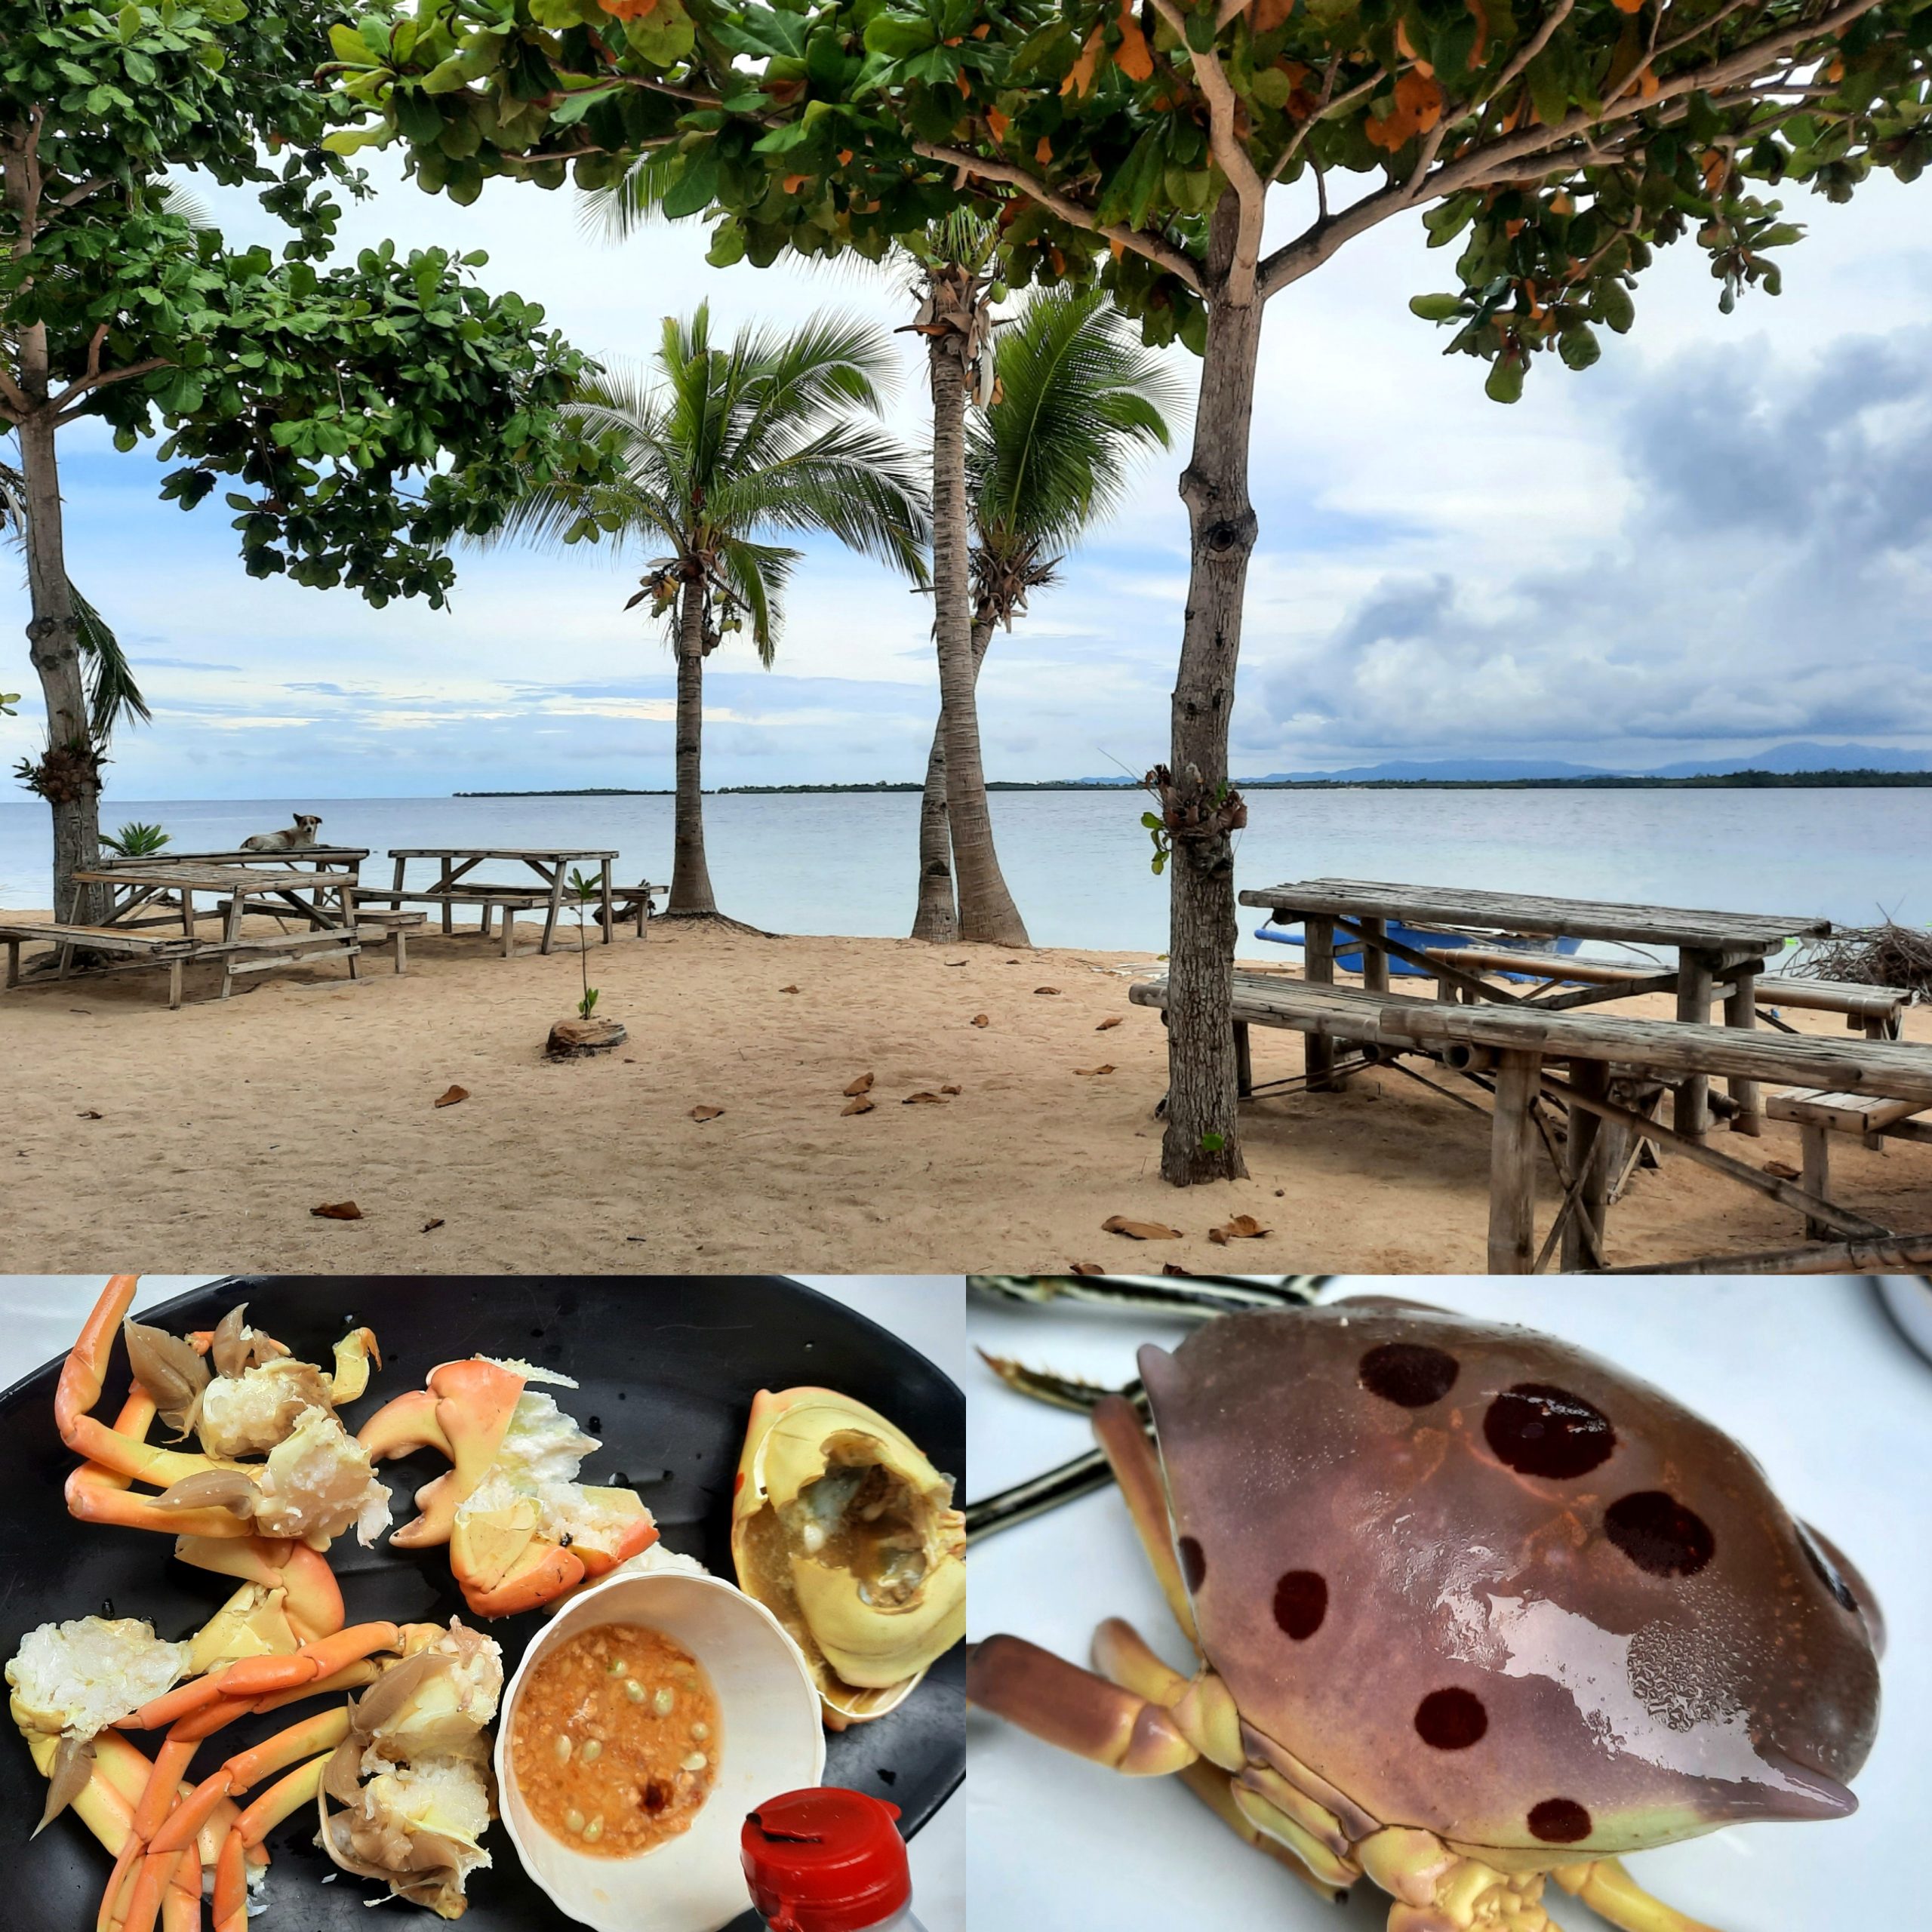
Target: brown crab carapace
column 1472, row 1608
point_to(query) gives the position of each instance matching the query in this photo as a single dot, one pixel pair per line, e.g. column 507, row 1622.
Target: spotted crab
column 1472, row 1609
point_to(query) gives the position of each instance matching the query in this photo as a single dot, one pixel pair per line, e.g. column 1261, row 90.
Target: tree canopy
column 1560, row 144
column 365, row 411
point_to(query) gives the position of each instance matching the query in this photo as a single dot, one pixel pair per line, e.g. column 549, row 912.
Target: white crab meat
column 535, row 1469
column 319, row 1482
column 78, row 1677
column 250, row 1414
column 443, row 1798
column 447, row 1714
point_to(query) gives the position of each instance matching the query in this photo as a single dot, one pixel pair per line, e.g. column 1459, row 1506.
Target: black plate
column 669, row 1368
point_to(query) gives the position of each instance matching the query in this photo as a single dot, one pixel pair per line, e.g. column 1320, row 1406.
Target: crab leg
column 1065, row 1706
column 1608, row 1889
column 321, row 1733
column 1210, row 1783
column 256, row 1678
column 1116, row 1426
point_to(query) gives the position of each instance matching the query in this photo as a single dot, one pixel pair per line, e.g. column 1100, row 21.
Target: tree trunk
column 690, row 877
column 937, row 919
column 1200, row 1143
column 986, row 910
column 71, row 770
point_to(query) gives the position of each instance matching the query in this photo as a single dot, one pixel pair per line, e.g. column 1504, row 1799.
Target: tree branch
column 1538, row 152
column 1251, row 191
column 1161, row 253
column 113, row 376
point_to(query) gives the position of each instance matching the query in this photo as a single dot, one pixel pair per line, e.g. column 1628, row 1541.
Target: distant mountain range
column 1796, row 756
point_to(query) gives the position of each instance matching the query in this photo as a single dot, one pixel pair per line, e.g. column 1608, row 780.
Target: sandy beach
column 140, row 1138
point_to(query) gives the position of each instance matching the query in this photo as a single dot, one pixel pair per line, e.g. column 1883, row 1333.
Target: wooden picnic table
column 457, row 862
column 1718, row 955
column 123, row 874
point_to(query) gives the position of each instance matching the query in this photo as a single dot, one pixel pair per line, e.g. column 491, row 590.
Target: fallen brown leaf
column 1175, row 1267
column 1781, row 1172
column 1103, row 1068
column 706, row 1113
column 1046, row 990
column 454, row 1094
column 338, row 1211
column 788, row 989
column 922, row 1098
column 430, row 1226
column 1243, row 1227
column 948, row 1090
column 980, row 1019
column 860, row 1105
column 89, row 1114
column 1085, row 1268
column 1114, row 1020
column 862, row 1085
column 1118, row 1224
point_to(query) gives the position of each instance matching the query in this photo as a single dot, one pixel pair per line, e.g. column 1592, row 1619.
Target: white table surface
column 1808, row 1373
column 41, row 1313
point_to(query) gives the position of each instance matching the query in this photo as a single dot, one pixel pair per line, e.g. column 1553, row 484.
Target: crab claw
column 844, row 1530
column 521, row 1530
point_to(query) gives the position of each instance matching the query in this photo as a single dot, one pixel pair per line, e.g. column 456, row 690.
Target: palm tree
column 719, row 449
column 1078, row 398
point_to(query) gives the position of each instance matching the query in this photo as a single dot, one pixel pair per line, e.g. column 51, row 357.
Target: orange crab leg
column 283, row 1799
column 114, row 1902
column 151, row 1882
column 255, row 1677
column 171, row 1762
column 97, row 1494
column 321, row 1734
column 354, row 1679
column 230, row 1901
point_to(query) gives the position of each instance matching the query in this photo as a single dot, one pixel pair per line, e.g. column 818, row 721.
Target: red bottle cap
column 826, row 1860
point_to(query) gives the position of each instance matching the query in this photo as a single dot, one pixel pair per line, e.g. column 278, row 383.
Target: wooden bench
column 141, row 949
column 1817, row 1116
column 508, row 900
column 1505, row 1048
column 1878, row 1011
column 392, row 928
column 626, row 900
column 146, row 948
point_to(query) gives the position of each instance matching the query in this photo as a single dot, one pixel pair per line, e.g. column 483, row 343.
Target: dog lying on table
column 295, row 838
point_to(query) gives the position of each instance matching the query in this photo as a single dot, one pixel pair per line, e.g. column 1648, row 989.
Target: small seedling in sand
column 585, row 893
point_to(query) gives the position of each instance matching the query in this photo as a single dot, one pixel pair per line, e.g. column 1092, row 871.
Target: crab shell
column 866, row 1658
column 1484, row 1583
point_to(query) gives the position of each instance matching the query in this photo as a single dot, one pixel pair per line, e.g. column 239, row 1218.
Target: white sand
column 222, row 1125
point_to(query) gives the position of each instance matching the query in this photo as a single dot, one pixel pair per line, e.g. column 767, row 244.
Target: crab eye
column 1828, row 1571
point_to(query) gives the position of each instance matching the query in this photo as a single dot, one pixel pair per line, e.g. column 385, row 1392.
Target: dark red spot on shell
column 1301, row 1602
column 1451, row 1720
column 1827, row 1570
column 1542, row 1431
column 1193, row 1563
column 1559, row 1821
column 1411, row 1374
column 1658, row 1534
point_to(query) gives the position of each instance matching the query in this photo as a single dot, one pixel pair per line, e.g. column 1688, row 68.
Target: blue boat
column 1419, row 939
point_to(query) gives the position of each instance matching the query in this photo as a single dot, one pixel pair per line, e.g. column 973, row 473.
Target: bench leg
column 1691, row 1115
column 174, row 985
column 401, row 952
column 1740, row 1009
column 1244, row 1061
column 1318, row 967
column 1817, row 1178
column 509, row 932
column 13, row 962
column 355, row 961
column 1589, row 1158
column 1512, row 1172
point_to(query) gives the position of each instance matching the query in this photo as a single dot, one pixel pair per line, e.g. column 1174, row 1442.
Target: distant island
column 1745, row 780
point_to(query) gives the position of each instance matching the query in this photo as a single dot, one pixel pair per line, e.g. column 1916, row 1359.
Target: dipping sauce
column 615, row 1739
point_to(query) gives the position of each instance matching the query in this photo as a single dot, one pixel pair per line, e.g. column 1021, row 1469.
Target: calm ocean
column 1078, row 862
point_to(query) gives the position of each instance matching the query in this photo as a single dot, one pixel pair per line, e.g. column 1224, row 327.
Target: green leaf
column 695, row 187
column 1438, row 308
column 1506, row 379
column 1578, row 346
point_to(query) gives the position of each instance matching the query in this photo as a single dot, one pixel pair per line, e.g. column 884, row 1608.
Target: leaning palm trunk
column 690, row 877
column 69, row 775
column 986, row 910
column 937, row 919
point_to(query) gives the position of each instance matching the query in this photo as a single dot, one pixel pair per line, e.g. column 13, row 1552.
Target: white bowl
column 772, row 1741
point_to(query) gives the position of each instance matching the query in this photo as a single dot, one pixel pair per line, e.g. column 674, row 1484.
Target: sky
column 1719, row 538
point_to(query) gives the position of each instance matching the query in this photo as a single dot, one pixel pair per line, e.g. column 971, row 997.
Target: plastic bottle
column 828, row 1860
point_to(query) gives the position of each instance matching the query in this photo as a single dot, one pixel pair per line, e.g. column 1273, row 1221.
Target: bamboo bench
column 392, row 928
column 1505, row 1048
column 508, row 900
column 1818, row 1116
column 1878, row 1011
column 143, row 947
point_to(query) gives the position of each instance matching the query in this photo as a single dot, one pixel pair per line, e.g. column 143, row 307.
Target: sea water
column 1079, row 862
